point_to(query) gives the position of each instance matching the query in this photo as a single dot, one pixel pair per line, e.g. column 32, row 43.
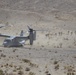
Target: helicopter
column 18, row 41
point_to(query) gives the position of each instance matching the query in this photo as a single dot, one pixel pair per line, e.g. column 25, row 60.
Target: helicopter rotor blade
column 28, row 27
column 40, row 30
column 35, row 29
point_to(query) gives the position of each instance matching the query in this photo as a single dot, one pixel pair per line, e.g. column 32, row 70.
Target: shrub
column 55, row 62
column 20, row 72
column 57, row 67
column 1, row 72
column 31, row 73
column 26, row 60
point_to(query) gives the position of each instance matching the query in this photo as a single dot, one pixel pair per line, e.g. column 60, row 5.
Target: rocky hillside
column 38, row 12
column 41, row 6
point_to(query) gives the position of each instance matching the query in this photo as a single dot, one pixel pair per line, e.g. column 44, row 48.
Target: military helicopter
column 18, row 41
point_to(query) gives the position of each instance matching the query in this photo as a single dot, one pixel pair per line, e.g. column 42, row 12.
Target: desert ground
column 53, row 51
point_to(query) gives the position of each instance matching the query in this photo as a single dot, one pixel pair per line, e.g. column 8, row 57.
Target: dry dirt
column 54, row 51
